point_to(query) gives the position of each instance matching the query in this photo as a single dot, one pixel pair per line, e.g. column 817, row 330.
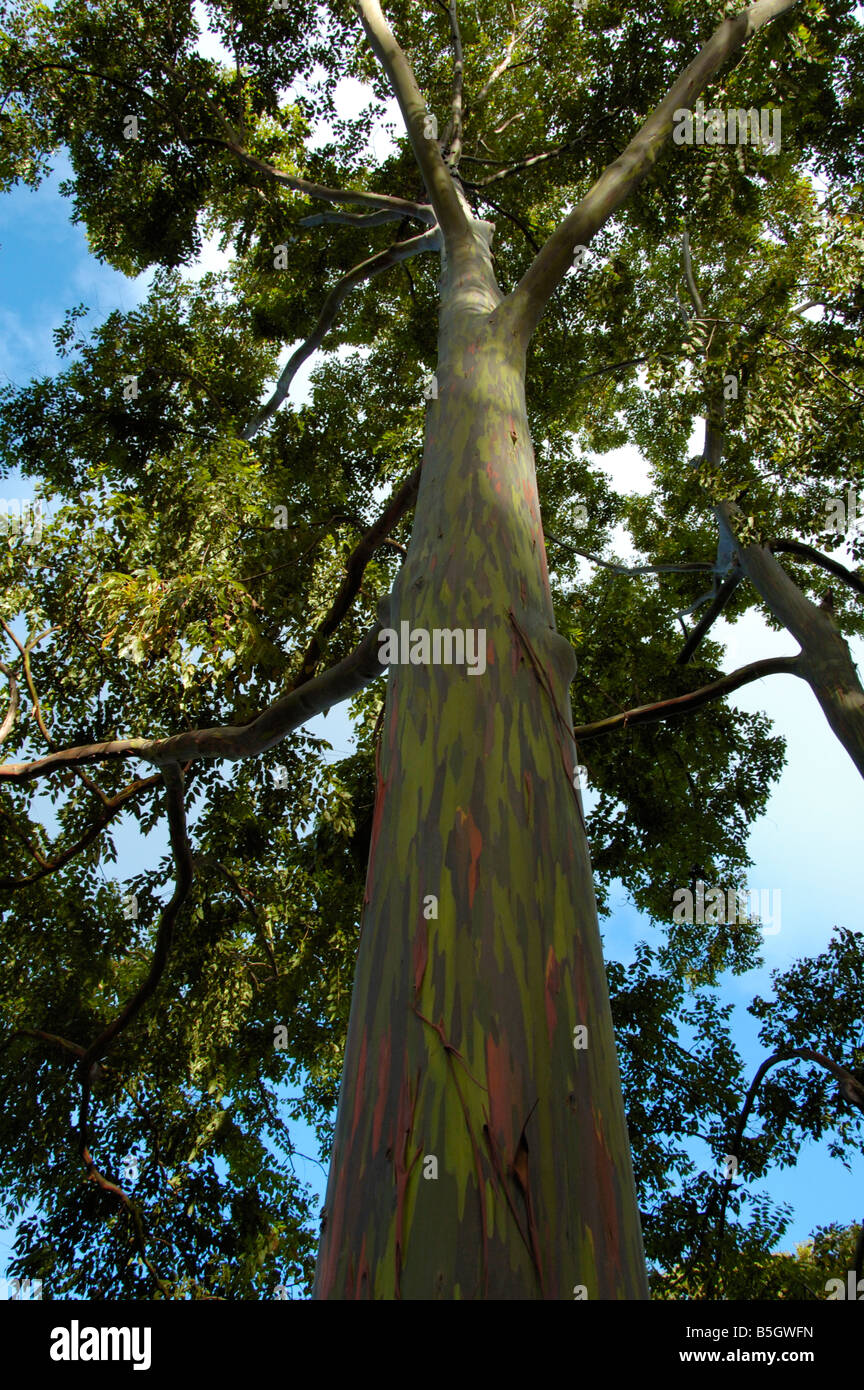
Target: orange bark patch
column 553, row 985
column 530, row 496
column 494, row 477
column 474, row 845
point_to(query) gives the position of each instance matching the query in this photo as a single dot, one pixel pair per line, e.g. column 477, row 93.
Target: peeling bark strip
column 460, row 1037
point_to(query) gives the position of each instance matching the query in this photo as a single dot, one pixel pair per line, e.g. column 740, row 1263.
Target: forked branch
column 401, row 251
column 530, row 297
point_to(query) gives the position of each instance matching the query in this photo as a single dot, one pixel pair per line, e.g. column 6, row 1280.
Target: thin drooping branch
column 114, row 806
column 14, row 703
column 26, row 649
column 233, row 742
column 852, row 1091
column 449, row 211
column 246, row 899
column 507, row 61
column 518, row 165
column 233, row 142
column 511, row 217
column 686, row 567
column 530, row 297
column 793, row 347
column 355, row 566
column 401, row 251
column 685, row 704
column 712, row 613
column 816, row 557
column 175, row 807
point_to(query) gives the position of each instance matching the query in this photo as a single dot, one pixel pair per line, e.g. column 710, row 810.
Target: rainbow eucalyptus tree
column 480, row 1149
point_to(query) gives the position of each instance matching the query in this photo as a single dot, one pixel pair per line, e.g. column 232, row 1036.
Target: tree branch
column 520, row 164
column 851, row 1088
column 232, row 742
column 359, row 558
column 185, row 872
column 507, row 60
column 695, row 296
column 528, row 301
column 234, row 143
column 684, row 704
column 113, row 806
column 452, row 138
column 807, row 552
column 439, row 183
column 793, row 347
column 401, row 251
column 511, row 217
column 697, row 566
column 353, row 219
column 706, row 622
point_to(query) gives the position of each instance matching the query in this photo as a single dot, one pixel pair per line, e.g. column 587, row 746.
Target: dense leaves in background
column 185, row 570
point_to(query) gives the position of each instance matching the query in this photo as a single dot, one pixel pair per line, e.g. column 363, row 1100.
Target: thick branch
column 287, row 713
column 401, row 251
column 439, row 183
column 807, row 552
column 620, row 178
column 354, row 219
column 825, row 661
column 452, row 138
column 706, row 622
column 684, row 704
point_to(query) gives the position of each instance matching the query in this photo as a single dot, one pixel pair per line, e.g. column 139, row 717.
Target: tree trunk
column 481, row 1149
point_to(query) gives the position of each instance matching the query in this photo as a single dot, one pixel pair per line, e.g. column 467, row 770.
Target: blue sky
column 807, row 845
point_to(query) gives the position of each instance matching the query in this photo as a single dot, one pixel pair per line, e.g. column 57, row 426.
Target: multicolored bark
column 461, row 1038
